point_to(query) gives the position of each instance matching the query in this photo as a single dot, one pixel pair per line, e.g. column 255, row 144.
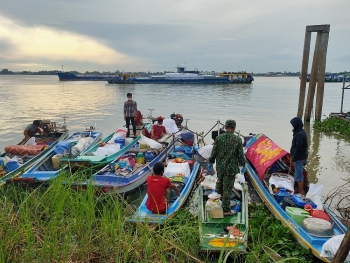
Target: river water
column 265, row 106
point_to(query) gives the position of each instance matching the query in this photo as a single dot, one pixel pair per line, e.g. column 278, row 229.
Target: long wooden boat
column 54, row 134
column 108, row 180
column 213, row 238
column 184, row 183
column 262, row 153
column 45, row 169
column 88, row 159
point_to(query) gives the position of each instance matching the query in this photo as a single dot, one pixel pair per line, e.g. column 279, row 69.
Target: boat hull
column 9, row 177
column 178, row 81
column 144, row 215
column 44, row 171
column 66, row 76
column 212, row 237
column 306, row 240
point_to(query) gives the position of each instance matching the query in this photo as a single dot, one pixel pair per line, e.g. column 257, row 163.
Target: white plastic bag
column 150, row 142
column 177, row 168
column 240, row 178
column 282, row 181
column 106, row 150
column 315, row 194
column 31, row 141
column 331, row 246
column 209, row 182
column 120, row 132
column 170, row 126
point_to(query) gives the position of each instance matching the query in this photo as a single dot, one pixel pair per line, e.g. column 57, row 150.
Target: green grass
column 333, row 125
column 56, row 224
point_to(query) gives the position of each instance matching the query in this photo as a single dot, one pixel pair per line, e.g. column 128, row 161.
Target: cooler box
column 298, row 214
column 302, row 201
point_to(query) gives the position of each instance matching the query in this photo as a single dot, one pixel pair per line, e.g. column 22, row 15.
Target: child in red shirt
column 158, row 130
column 157, row 187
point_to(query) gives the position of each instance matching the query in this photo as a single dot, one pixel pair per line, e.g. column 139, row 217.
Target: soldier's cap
column 230, row 124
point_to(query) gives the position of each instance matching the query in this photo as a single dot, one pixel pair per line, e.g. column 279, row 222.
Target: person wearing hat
column 158, row 130
column 228, row 153
column 130, row 112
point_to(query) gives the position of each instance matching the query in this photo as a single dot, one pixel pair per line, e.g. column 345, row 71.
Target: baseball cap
column 230, row 124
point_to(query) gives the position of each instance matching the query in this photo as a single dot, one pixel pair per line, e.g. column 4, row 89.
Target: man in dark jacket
column 298, row 151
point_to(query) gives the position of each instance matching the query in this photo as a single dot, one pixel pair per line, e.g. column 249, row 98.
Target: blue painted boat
column 54, row 134
column 184, row 77
column 108, row 180
column 67, row 76
column 262, row 153
column 184, row 183
column 45, row 169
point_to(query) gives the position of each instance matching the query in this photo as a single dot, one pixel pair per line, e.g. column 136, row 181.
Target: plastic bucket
column 11, row 166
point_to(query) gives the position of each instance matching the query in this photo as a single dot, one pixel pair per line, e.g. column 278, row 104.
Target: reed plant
column 53, row 223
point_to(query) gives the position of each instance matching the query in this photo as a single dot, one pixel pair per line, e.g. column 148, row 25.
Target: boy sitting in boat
column 157, row 131
column 158, row 187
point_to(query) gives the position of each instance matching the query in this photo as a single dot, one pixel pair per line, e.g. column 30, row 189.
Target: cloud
column 20, row 43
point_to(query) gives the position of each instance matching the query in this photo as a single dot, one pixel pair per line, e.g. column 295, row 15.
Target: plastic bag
column 120, row 132
column 315, row 194
column 209, row 182
column 331, row 246
column 282, row 181
column 31, row 141
column 240, row 178
column 177, row 168
column 170, row 126
column 150, row 142
column 106, row 150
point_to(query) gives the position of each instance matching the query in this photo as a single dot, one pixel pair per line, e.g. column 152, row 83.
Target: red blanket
column 24, row 149
column 263, row 153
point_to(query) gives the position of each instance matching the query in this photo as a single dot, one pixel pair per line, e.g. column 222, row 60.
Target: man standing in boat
column 298, row 152
column 130, row 112
column 228, row 153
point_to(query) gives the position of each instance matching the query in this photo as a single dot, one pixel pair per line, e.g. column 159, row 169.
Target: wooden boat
column 88, row 159
column 213, row 238
column 45, row 169
column 30, row 154
column 108, row 180
column 184, row 183
column 262, row 153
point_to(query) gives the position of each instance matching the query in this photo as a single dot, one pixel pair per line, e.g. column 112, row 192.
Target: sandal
column 231, row 213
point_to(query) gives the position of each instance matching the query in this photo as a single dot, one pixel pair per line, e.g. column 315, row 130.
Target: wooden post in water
column 303, row 75
column 317, row 71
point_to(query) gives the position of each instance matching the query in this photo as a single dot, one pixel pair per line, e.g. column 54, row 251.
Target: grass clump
column 331, row 124
column 57, row 224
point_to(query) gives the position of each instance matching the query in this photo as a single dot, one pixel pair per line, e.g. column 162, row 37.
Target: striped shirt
column 130, row 108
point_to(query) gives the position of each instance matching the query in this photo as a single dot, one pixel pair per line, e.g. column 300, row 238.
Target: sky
column 158, row 35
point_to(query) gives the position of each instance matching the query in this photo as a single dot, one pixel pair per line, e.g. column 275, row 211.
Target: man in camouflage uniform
column 228, row 152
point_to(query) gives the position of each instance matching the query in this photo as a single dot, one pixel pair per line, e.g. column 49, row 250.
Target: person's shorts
column 298, row 170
